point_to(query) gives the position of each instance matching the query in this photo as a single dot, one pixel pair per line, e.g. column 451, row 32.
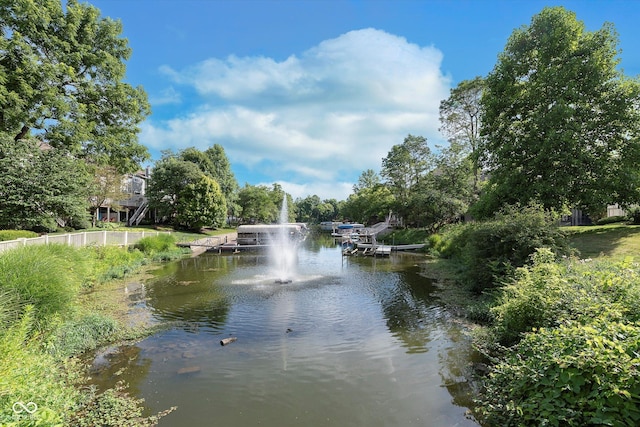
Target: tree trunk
column 23, row 132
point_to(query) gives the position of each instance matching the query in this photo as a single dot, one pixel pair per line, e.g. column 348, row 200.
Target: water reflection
column 357, row 341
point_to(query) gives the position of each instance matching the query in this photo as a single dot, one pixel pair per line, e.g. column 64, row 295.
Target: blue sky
column 310, row 93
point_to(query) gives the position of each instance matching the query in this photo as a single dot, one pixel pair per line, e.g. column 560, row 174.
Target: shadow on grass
column 602, row 241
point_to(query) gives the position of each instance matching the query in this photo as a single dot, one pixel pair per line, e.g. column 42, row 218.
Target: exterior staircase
column 139, row 214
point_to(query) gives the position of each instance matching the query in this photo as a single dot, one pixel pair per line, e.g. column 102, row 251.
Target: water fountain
column 282, row 252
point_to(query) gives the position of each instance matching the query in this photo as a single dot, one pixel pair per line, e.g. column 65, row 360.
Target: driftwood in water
column 188, row 370
column 226, row 341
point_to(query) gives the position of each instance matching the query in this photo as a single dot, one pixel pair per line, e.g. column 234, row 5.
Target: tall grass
column 10, row 308
column 47, row 277
column 29, row 375
column 156, row 244
column 115, row 263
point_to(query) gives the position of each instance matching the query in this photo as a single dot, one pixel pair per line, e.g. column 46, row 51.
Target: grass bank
column 56, row 303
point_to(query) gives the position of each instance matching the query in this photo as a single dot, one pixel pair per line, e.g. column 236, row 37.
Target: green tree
column 307, row 209
column 198, row 157
column 257, row 204
column 201, row 204
column 369, row 204
column 454, row 174
column 106, row 190
column 432, row 208
column 222, row 173
column 40, row 188
column 313, row 210
column 403, row 168
column 560, row 120
column 169, row 178
column 367, row 179
column 61, row 72
column 460, row 120
column 214, row 162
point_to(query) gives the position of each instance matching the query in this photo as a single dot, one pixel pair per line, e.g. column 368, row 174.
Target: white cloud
column 324, row 116
column 167, row 96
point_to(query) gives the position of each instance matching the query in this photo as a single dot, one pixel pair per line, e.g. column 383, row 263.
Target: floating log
column 229, row 340
column 188, row 370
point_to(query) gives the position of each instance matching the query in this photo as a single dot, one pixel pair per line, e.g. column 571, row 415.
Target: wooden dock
column 369, row 249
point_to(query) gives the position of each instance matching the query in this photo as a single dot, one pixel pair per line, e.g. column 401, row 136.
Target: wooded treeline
column 555, row 123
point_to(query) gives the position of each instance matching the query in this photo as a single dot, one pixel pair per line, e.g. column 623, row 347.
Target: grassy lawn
column 613, row 240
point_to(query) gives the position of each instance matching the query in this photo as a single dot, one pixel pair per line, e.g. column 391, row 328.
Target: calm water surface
column 350, row 342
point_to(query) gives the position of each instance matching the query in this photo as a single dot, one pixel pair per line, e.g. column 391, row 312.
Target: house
column 135, row 207
column 579, row 217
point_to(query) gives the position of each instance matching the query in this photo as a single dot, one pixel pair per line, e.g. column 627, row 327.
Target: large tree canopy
column 460, row 121
column 560, row 120
column 201, row 204
column 61, row 72
column 41, row 186
column 405, row 165
column 170, row 177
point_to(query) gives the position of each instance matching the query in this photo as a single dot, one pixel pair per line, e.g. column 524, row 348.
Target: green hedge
column 489, row 251
column 16, row 234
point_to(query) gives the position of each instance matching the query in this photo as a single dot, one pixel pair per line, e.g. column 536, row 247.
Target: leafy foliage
column 84, row 334
column 16, row 234
column 40, row 186
column 62, row 70
column 201, row 204
column 369, row 204
column 405, row 165
column 29, row 375
column 461, row 121
column 184, row 192
column 490, row 250
column 572, row 375
column 261, row 204
column 560, row 120
column 170, row 177
column 115, row 407
column 312, row 209
column 547, row 293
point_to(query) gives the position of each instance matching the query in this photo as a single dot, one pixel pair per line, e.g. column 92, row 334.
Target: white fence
column 96, row 238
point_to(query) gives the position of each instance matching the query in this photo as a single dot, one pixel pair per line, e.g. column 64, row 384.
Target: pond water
column 349, row 342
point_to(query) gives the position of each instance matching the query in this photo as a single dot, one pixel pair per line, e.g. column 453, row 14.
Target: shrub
column 491, row 250
column 573, row 375
column 108, row 225
column 115, row 262
column 633, row 214
column 547, row 293
column 611, row 220
column 16, row 234
column 448, row 242
column 160, row 243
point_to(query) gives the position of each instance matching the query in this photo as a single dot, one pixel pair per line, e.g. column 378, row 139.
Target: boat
column 347, row 229
column 392, row 247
